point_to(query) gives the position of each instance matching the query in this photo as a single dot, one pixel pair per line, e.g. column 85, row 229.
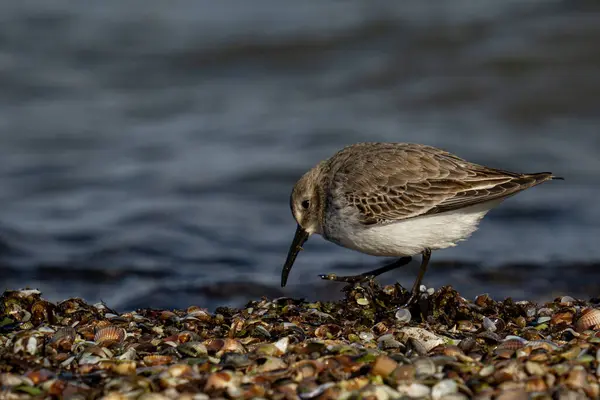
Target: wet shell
column 307, row 369
column 187, row 336
column 109, row 336
column 403, row 316
column 156, row 359
column 424, row 367
column 512, row 344
column 63, row 338
column 192, row 349
column 42, row 311
column 232, row 346
column 328, row 331
column 214, row 345
column 380, row 328
column 590, row 320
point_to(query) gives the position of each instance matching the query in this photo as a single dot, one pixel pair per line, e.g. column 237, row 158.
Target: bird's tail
column 540, row 177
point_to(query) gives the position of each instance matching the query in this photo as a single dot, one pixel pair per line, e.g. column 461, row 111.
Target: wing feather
column 387, row 182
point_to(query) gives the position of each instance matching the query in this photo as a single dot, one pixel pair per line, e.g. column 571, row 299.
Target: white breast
column 411, row 236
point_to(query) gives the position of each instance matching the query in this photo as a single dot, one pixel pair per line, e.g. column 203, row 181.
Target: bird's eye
column 305, row 204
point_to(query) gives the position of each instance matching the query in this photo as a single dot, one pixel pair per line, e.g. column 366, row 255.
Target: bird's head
column 306, row 203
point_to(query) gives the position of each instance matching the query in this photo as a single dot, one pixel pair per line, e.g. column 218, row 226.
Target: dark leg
column 415, row 289
column 367, row 275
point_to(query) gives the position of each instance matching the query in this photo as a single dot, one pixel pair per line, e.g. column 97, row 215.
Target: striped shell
column 512, row 344
column 589, row 320
column 109, row 335
column 156, row 359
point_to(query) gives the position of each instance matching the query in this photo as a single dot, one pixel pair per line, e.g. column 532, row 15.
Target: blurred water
column 147, row 149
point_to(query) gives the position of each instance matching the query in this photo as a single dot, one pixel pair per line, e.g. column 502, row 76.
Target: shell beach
column 363, row 347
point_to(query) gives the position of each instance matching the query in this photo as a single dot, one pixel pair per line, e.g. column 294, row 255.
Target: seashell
column 492, row 336
column 157, row 359
column 219, row 381
column 128, row 355
column 455, row 396
column 424, row 367
column 214, row 345
column 418, row 346
column 39, row 376
column 542, row 344
column 366, row 336
column 328, row 331
column 390, row 290
column 319, row 390
column 380, row 328
column 388, row 342
column 443, row 388
column 483, row 300
column 231, row 346
column 42, row 311
column 362, row 301
column 467, row 344
column 235, row 360
column 102, row 324
column 192, row 349
column 577, row 377
column 267, row 364
column 465, row 326
column 178, row 370
column 403, row 316
column 535, row 368
column 110, row 335
column 487, row 370
column 404, row 373
column 383, row 366
column 282, row 344
column 168, row 316
column 307, row 369
column 415, row 390
column 63, row 338
column 589, row 320
column 187, row 336
column 512, row 343
column 198, row 314
column 567, row 301
column 9, row 380
column 562, row 318
column 535, row 384
column 543, row 319
column 260, row 330
column 26, row 344
column 545, row 312
column 488, row 324
column 427, row 339
column 530, row 312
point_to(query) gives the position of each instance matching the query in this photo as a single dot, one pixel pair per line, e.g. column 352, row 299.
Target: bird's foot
column 348, row 279
column 416, row 294
column 414, row 297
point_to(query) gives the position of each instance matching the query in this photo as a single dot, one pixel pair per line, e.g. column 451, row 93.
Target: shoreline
column 443, row 347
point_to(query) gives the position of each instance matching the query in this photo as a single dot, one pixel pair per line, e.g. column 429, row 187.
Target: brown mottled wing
column 388, row 182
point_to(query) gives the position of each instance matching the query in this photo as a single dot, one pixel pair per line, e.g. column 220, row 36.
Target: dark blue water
column 148, row 149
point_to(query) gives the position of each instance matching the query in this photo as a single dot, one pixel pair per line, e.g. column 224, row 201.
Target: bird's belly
column 412, row 236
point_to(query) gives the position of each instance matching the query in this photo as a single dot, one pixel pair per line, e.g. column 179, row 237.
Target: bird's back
column 387, row 182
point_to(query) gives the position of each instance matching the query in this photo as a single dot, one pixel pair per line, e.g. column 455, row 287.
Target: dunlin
column 397, row 200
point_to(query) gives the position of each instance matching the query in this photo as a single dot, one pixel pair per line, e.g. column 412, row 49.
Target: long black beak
column 299, row 238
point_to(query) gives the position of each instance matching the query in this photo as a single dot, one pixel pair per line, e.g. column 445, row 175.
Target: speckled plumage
column 398, row 199
column 389, row 182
